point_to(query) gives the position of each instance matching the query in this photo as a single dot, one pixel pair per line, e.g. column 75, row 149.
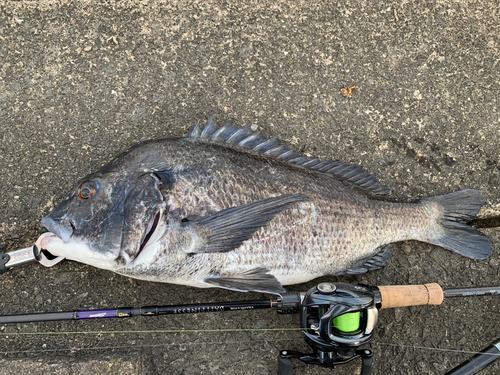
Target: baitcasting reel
column 337, row 319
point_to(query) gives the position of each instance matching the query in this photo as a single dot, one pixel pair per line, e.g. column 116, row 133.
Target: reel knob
column 326, row 288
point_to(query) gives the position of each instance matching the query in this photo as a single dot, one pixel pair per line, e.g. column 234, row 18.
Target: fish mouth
column 59, row 227
column 149, row 233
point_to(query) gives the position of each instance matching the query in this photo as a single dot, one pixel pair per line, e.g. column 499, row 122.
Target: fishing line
column 144, row 346
column 220, row 343
column 197, row 343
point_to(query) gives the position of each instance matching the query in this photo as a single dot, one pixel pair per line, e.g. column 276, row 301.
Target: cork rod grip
column 411, row 295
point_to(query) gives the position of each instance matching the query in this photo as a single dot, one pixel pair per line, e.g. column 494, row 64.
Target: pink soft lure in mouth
column 45, row 240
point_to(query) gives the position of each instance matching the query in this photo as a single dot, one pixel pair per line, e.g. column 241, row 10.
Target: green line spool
column 348, row 322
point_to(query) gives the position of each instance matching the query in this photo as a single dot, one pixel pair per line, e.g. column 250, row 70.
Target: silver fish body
column 228, row 208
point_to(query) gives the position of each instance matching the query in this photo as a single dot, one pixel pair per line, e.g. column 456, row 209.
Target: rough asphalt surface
column 80, row 82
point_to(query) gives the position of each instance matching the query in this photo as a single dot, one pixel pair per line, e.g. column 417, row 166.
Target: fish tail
column 454, row 212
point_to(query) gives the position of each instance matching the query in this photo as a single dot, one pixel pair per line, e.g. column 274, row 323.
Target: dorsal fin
column 244, row 137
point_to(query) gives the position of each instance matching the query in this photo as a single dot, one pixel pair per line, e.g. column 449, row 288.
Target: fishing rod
column 479, row 361
column 336, row 318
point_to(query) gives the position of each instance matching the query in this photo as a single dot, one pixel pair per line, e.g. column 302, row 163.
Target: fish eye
column 87, row 190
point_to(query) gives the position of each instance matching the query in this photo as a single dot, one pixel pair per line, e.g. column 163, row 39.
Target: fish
column 227, row 207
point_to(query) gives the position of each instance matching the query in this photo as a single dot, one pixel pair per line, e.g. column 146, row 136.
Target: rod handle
column 410, row 295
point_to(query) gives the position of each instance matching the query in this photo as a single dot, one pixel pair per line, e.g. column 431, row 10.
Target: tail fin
column 456, row 235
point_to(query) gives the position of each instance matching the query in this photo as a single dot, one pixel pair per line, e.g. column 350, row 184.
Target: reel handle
column 284, row 366
column 410, row 295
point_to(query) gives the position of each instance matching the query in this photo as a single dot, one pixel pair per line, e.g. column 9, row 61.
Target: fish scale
column 225, row 207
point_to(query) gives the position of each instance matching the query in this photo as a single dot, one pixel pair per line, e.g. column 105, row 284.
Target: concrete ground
column 81, row 81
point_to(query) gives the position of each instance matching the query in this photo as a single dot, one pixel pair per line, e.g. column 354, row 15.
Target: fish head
column 107, row 219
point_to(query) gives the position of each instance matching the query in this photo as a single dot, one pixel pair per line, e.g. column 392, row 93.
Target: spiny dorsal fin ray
column 196, row 131
column 244, row 137
column 210, row 128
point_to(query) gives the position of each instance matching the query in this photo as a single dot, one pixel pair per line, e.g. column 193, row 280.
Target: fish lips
column 59, row 222
column 62, row 228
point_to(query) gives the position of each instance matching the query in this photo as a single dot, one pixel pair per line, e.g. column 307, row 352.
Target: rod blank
column 128, row 312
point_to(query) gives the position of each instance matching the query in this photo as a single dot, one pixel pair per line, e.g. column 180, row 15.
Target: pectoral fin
column 227, row 229
column 254, row 280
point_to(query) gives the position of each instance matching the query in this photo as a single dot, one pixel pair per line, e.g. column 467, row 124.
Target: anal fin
column 254, row 280
column 375, row 262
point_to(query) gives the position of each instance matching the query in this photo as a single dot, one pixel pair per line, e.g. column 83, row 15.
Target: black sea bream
column 228, row 208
